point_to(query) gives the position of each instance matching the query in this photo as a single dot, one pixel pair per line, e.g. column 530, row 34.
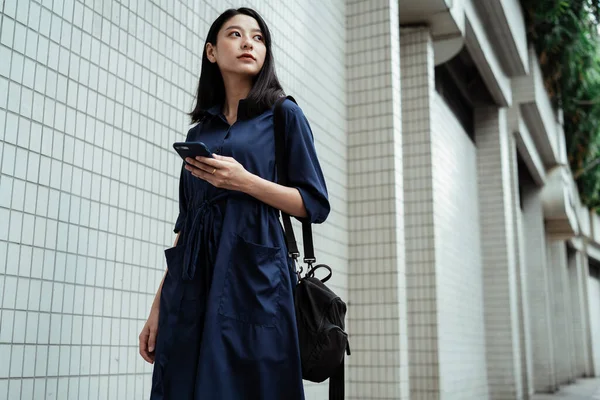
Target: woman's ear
column 210, row 52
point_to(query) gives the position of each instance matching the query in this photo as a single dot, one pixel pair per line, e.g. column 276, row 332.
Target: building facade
column 457, row 237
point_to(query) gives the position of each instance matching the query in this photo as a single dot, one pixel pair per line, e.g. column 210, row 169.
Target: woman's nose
column 247, row 44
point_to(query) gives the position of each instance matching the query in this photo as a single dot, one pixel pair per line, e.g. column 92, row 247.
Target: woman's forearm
column 284, row 198
column 156, row 302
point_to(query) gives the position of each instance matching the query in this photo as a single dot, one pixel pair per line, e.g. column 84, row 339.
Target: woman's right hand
column 148, row 336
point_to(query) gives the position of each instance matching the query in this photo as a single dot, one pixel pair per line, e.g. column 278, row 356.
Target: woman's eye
column 235, row 33
column 259, row 38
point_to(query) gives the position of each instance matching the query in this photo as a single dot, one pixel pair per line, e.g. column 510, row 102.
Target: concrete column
column 538, row 292
column 589, row 355
column 418, row 88
column 443, row 259
column 561, row 319
column 521, row 276
column 378, row 367
column 578, row 319
column 498, row 254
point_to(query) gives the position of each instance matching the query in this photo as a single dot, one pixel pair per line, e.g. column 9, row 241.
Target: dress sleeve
column 182, row 202
column 183, row 195
column 303, row 168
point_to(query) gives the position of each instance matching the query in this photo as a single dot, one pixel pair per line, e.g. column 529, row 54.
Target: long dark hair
column 266, row 88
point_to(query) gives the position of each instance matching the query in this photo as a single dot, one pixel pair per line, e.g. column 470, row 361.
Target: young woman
column 222, row 325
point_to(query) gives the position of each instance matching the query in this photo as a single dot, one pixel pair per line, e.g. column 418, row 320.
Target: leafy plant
column 566, row 37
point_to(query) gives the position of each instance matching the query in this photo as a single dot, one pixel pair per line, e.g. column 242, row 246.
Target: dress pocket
column 181, row 297
column 252, row 284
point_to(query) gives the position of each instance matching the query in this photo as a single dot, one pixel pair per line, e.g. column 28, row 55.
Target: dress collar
column 246, row 109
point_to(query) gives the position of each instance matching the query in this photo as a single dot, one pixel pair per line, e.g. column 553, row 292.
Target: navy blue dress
column 227, row 327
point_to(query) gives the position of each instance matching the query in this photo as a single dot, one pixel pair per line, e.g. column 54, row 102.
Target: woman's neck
column 236, row 88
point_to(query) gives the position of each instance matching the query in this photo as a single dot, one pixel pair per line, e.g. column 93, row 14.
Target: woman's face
column 240, row 48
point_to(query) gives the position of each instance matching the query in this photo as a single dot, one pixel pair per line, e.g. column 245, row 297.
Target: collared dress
column 227, row 327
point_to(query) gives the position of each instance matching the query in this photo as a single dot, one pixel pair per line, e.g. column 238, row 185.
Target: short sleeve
column 182, row 201
column 183, row 196
column 303, row 168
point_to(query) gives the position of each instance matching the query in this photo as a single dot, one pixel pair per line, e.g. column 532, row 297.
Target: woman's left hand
column 220, row 171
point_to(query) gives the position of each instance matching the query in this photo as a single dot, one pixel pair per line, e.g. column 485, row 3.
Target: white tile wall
column 84, row 215
column 378, row 365
column 498, row 254
column 459, row 268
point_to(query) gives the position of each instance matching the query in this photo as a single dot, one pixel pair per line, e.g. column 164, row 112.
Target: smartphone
column 192, row 149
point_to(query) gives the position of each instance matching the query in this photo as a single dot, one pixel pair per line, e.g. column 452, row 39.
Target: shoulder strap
column 336, row 383
column 282, row 179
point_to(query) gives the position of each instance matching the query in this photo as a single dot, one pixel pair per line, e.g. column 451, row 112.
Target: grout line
column 32, row 240
column 43, row 113
column 37, row 335
column 9, row 216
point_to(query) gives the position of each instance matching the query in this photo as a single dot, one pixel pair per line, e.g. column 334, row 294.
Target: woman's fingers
column 197, row 172
column 222, row 172
column 193, row 164
column 152, row 340
column 205, row 164
column 203, row 170
column 144, row 336
column 213, row 162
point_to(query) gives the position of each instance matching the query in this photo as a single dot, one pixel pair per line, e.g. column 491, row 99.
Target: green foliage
column 567, row 40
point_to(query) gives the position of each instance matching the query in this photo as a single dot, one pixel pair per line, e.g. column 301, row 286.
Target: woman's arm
column 226, row 173
column 286, row 199
column 147, row 338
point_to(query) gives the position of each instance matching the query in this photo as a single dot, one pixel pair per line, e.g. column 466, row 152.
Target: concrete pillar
column 560, row 309
column 378, row 367
column 538, row 293
column 498, row 254
column 578, row 303
column 585, row 276
column 417, row 77
column 521, row 276
column 443, row 259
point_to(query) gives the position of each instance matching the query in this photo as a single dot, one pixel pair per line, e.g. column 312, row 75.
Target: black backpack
column 320, row 312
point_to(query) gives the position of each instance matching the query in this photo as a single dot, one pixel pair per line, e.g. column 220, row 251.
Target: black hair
column 266, row 88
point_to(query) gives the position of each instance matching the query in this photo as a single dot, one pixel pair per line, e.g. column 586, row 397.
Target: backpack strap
column 336, row 383
column 282, row 179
